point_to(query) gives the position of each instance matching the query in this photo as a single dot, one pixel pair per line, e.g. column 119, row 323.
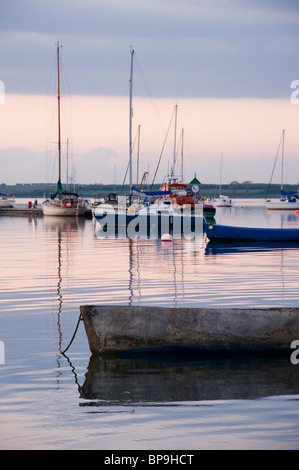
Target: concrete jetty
column 21, row 211
column 113, row 329
column 25, row 211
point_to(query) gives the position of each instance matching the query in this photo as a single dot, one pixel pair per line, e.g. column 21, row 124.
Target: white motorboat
column 222, row 201
column 6, row 201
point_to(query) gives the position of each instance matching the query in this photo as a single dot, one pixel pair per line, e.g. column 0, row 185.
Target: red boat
column 179, row 195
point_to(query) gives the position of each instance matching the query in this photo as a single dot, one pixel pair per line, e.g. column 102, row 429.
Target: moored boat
column 160, row 217
column 6, row 201
column 222, row 201
column 229, row 233
column 288, row 200
column 62, row 202
column 116, row 329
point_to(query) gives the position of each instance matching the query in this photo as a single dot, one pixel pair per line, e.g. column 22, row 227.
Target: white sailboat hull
column 282, row 205
column 54, row 209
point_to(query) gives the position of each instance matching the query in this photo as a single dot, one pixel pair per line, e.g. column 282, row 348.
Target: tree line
column 246, row 189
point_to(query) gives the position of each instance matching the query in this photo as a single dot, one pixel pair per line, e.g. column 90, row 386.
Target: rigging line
column 178, row 146
column 163, row 148
column 128, row 165
column 125, row 177
column 268, row 189
column 149, row 93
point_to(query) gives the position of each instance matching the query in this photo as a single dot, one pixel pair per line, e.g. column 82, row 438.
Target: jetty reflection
column 156, row 379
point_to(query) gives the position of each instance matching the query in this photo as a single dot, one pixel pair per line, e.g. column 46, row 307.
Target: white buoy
column 166, row 237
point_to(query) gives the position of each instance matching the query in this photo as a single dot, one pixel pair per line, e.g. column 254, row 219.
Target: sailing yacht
column 62, row 202
column 222, row 200
column 288, row 200
column 162, row 213
column 177, row 189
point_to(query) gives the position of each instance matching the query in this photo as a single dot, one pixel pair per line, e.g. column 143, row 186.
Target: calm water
column 50, row 401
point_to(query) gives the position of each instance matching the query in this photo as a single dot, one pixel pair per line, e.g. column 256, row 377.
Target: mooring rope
column 73, row 337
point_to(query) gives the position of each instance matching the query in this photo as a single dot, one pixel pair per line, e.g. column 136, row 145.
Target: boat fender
column 211, row 227
column 131, row 210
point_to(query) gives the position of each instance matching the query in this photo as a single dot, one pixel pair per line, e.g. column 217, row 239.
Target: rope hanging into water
column 73, row 337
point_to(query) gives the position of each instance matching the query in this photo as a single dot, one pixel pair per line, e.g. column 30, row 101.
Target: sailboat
column 288, row 200
column 62, row 202
column 222, row 200
column 175, row 186
column 179, row 194
column 161, row 214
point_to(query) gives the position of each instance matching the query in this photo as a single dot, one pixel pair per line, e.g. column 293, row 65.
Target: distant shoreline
column 232, row 190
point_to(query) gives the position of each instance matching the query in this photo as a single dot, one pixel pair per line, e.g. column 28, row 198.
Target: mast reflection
column 64, row 229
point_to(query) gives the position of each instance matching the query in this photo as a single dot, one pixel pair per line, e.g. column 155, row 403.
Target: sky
column 230, row 66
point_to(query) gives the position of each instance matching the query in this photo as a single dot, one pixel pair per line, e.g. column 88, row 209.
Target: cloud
column 211, row 48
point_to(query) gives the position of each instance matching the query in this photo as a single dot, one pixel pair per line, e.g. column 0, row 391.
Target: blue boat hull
column 227, row 233
column 145, row 224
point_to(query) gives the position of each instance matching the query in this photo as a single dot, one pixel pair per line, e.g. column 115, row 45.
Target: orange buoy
column 68, row 204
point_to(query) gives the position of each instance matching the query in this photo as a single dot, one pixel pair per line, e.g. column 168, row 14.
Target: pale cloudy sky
column 228, row 64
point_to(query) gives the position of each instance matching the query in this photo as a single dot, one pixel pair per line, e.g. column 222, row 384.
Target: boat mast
column 174, row 146
column 182, row 157
column 220, row 183
column 282, row 160
column 137, row 177
column 58, row 105
column 67, row 162
column 130, row 126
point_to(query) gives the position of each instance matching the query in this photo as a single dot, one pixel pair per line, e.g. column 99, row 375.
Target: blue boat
column 229, row 233
column 159, row 218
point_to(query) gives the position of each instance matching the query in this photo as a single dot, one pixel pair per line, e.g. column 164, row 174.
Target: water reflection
column 156, row 269
column 152, row 379
column 64, row 229
column 213, row 248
